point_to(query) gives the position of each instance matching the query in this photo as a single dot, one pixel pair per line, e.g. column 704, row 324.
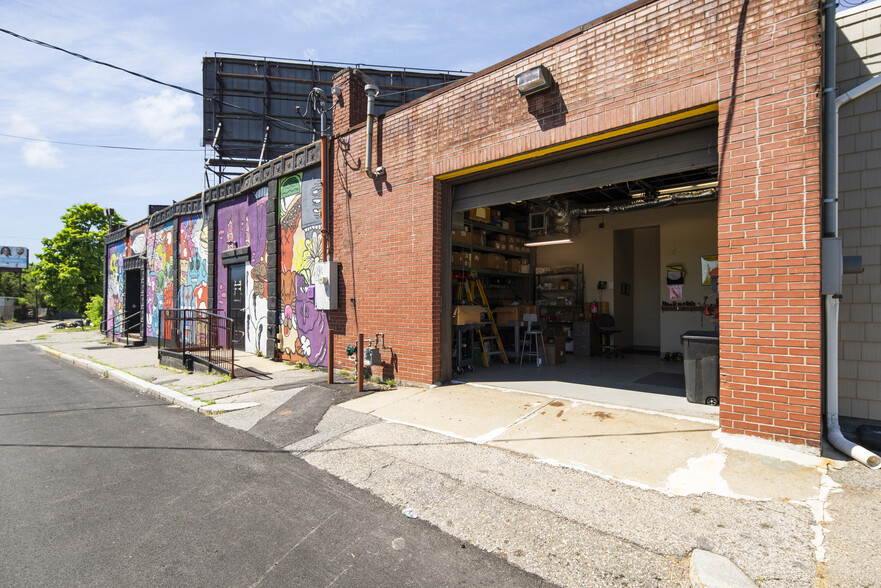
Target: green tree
column 71, row 266
column 9, row 284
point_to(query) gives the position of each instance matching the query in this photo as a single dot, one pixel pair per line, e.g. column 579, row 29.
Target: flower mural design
column 303, row 328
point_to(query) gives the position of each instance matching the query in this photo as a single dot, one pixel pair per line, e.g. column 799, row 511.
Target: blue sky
column 49, row 95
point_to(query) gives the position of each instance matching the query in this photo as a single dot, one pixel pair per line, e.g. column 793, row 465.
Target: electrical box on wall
column 324, row 278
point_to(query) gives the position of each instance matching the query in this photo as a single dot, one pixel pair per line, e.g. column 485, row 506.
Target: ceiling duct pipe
column 682, row 197
column 372, row 91
column 832, row 262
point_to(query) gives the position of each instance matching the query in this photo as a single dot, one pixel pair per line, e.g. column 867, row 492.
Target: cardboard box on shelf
column 461, row 236
column 478, row 238
column 495, row 261
column 467, row 314
column 507, row 314
column 517, row 265
column 480, row 214
column 495, row 214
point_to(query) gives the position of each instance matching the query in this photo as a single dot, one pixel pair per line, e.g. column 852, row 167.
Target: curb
column 131, row 381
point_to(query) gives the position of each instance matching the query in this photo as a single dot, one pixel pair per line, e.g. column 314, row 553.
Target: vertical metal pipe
column 360, row 363
column 325, row 195
column 830, row 126
column 330, row 356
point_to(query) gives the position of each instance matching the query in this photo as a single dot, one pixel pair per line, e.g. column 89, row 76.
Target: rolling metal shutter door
column 683, row 151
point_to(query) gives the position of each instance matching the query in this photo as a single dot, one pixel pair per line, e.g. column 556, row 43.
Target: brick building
column 663, row 72
column 654, row 144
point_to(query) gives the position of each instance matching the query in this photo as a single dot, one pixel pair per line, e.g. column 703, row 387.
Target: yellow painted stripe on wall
column 583, row 141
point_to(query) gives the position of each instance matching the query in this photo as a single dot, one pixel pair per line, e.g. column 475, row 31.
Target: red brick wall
column 653, row 60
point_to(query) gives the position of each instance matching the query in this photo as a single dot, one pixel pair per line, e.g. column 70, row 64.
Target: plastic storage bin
column 700, row 352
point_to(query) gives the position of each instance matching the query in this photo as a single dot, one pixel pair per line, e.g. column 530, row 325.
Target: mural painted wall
column 160, row 274
column 242, row 223
column 193, row 264
column 136, row 242
column 115, row 283
column 303, row 329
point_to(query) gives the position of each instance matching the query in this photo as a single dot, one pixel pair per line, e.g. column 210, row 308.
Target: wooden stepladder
column 490, row 344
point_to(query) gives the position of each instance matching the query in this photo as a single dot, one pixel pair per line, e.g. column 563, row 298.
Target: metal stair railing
column 198, row 335
column 122, row 322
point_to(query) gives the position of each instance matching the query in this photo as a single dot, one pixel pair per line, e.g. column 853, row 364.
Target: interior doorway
column 637, row 277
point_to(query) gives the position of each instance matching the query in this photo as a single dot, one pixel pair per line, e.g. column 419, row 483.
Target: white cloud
column 41, row 155
column 167, row 116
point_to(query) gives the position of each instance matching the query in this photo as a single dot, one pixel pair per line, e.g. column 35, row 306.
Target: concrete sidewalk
column 569, row 490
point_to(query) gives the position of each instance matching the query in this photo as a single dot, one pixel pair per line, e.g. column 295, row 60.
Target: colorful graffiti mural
column 242, row 223
column 193, row 262
column 303, row 329
column 115, row 283
column 160, row 274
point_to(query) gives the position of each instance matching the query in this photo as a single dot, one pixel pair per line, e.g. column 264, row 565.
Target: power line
column 93, row 145
column 149, row 79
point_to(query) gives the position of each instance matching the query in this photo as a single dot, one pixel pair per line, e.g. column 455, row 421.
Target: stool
column 533, row 335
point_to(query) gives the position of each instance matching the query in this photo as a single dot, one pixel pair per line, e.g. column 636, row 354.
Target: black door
column 236, row 303
column 133, row 301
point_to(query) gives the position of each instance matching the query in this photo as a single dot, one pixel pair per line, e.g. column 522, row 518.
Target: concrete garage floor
column 633, row 380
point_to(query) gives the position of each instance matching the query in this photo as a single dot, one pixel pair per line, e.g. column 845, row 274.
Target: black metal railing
column 120, row 325
column 198, row 335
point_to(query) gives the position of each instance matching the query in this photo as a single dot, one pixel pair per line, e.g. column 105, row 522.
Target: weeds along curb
column 128, row 380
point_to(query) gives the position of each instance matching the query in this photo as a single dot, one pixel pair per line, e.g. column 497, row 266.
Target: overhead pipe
column 831, row 106
column 372, row 91
column 695, row 196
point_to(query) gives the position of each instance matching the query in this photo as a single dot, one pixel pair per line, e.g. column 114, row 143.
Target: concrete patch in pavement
column 709, row 570
column 297, row 418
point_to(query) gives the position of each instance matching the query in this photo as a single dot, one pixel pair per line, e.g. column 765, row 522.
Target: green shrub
column 95, row 310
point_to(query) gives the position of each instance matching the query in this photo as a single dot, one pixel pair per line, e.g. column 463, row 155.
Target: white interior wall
column 686, row 233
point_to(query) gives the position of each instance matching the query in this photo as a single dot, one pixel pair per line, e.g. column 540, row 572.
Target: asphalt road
column 101, row 486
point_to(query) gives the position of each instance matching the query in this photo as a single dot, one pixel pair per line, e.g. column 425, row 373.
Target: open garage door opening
column 595, row 280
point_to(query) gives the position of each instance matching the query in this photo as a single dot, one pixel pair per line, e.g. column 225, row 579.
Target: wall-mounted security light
column 534, row 80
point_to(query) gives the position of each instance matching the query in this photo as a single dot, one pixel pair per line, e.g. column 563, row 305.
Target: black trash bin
column 700, row 352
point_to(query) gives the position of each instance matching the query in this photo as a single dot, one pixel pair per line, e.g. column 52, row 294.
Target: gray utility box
column 700, row 351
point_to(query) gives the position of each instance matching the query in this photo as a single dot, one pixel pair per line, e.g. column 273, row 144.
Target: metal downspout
column 372, row 90
column 830, row 229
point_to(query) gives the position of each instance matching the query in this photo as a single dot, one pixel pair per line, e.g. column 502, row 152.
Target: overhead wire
column 94, row 145
column 153, row 80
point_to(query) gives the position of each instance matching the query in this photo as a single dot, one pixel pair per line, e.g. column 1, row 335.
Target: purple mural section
column 242, row 223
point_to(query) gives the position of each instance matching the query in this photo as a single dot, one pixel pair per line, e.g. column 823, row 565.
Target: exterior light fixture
column 534, row 80
column 554, row 242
